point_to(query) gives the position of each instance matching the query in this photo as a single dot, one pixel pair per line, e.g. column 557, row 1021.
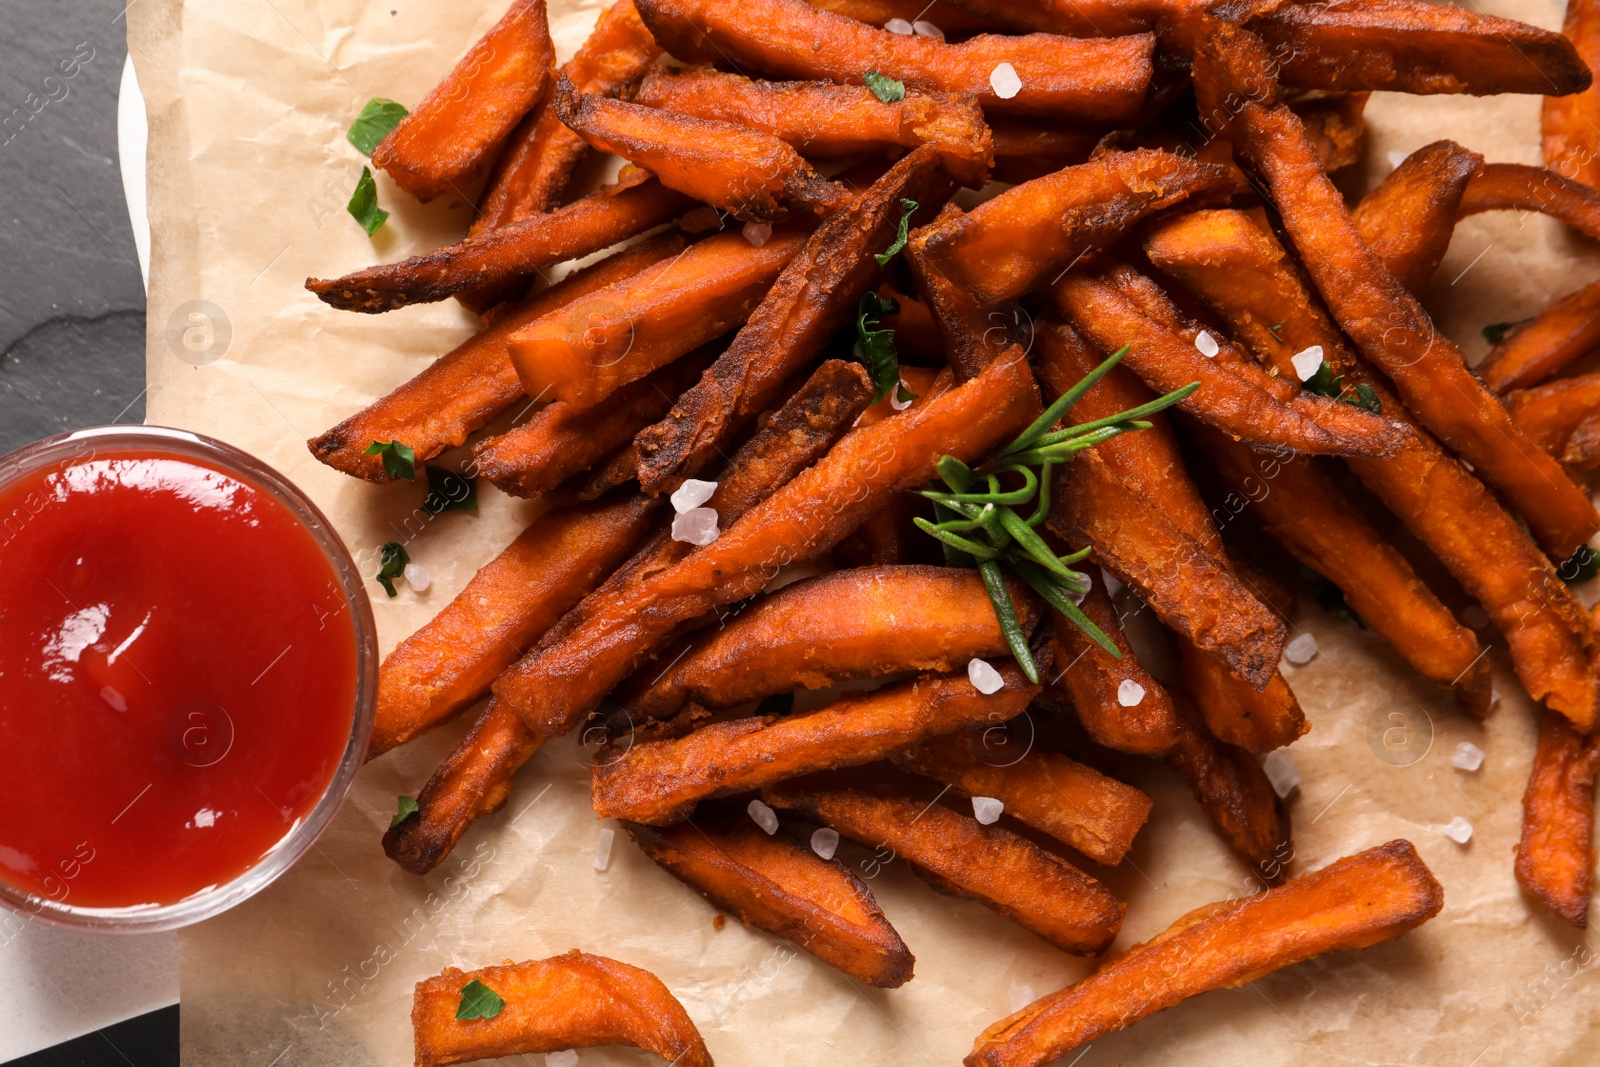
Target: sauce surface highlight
column 177, row 677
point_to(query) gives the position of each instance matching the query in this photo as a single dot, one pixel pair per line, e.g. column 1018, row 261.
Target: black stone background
column 71, row 302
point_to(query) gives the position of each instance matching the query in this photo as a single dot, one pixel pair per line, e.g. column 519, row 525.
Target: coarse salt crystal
column 1004, row 81
column 825, row 842
column 417, row 577
column 764, row 816
column 986, row 809
column 602, row 848
column 205, row 818
column 1458, row 830
column 1281, row 772
column 1468, row 757
column 1396, row 158
column 565, row 1058
column 900, row 26
column 697, row 526
column 1301, row 650
column 1306, row 361
column 1206, row 344
column 894, row 397
column 925, row 28
column 1021, row 996
column 701, row 219
column 1130, row 693
column 758, row 233
column 117, row 701
column 1475, row 617
column 691, row 494
column 983, row 676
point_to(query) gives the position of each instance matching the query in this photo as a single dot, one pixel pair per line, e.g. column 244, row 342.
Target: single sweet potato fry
column 777, row 884
column 1025, row 150
column 1375, row 309
column 752, row 175
column 533, row 169
column 659, row 781
column 500, row 613
column 1235, row 794
column 1004, row 246
column 1235, row 713
column 971, row 335
column 554, row 687
column 635, row 203
column 1559, row 334
column 1425, row 189
column 1075, row 804
column 1365, row 899
column 1236, row 395
column 476, row 778
column 449, row 137
column 573, row 1001
column 826, row 120
column 562, row 440
column 812, row 300
column 583, row 354
column 859, row 623
column 1559, row 417
column 958, row 855
column 1567, row 123
column 1555, row 860
column 472, row 383
column 1519, row 187
column 1093, row 80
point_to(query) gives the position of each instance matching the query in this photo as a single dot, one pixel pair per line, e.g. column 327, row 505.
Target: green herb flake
column 408, row 808
column 1329, row 597
column 376, row 121
column 363, row 205
column 874, row 347
column 398, row 459
column 1273, row 330
column 907, row 207
column 391, row 565
column 1496, row 332
column 884, row 87
column 449, row 491
column 1580, row 566
column 1361, row 395
column 478, row 1001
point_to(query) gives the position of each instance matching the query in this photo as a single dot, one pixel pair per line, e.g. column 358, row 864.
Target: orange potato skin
column 1362, row 900
column 1567, row 124
column 1555, row 859
column 1337, row 124
column 1519, row 187
column 476, row 778
column 659, row 781
column 573, row 1001
column 1001, row 248
column 472, row 383
column 960, row 856
column 1100, row 80
column 1426, row 189
column 858, row 623
column 781, row 886
column 1235, row 713
column 634, row 204
column 583, row 354
column 946, row 16
column 1559, row 417
column 1075, row 804
column 813, row 299
column 1380, row 315
column 449, row 137
column 451, row 661
column 972, row 336
column 752, row 175
column 561, row 440
column 807, row 516
column 1559, row 334
column 1025, row 150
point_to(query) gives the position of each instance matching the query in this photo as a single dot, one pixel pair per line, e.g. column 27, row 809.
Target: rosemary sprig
column 980, row 524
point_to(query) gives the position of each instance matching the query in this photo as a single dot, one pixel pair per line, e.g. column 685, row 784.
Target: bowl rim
column 81, row 445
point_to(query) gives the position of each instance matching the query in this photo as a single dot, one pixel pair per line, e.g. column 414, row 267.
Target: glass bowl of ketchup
column 188, row 670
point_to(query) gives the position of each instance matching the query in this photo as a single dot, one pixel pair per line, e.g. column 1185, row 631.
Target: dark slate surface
column 71, row 303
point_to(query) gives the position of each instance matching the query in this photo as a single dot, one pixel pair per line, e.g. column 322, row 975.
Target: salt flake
column 1206, row 344
column 691, row 494
column 1396, row 158
column 900, row 26
column 697, row 526
column 927, row 29
column 117, row 701
column 764, row 816
column 986, row 809
column 417, row 577
column 825, row 842
column 894, row 396
column 1281, row 772
column 1004, row 81
column 758, row 233
column 1306, row 361
column 602, row 848
column 1468, row 757
column 565, row 1058
column 983, row 676
column 1301, row 650
column 1458, row 830
column 1130, row 693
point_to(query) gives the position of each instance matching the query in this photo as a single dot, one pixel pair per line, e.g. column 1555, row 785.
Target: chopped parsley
column 1496, row 332
column 478, row 1001
column 875, row 347
column 884, row 87
column 399, row 461
column 1361, row 395
column 907, row 208
column 391, row 565
column 408, row 807
column 376, row 121
column 449, row 491
column 363, row 205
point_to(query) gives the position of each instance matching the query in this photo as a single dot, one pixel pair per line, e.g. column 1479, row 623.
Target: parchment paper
column 249, row 171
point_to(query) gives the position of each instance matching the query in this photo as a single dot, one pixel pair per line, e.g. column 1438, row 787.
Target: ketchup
column 177, row 677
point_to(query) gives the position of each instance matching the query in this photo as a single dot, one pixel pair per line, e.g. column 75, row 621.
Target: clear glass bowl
column 149, row 918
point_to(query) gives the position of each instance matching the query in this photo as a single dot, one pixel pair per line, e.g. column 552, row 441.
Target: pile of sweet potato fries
column 790, row 346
